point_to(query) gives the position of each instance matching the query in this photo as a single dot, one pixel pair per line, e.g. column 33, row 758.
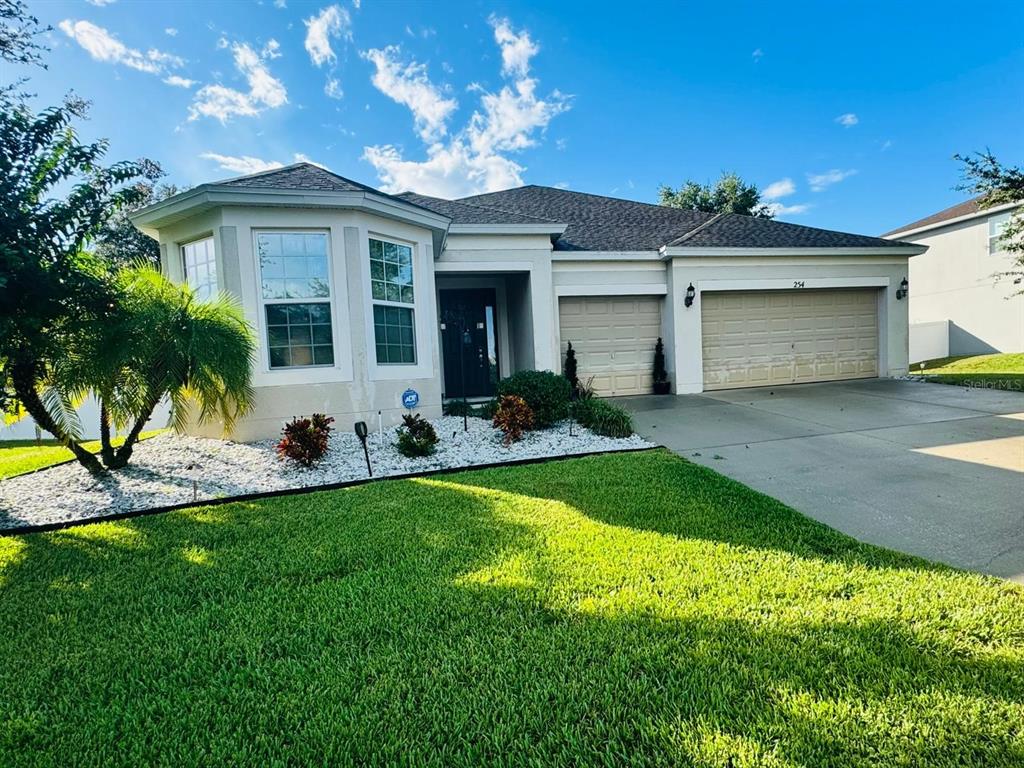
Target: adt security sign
column 410, row 398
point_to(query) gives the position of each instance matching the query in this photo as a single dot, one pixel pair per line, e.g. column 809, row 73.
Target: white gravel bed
column 158, row 474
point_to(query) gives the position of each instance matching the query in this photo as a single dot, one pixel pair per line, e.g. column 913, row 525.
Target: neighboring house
column 358, row 296
column 957, row 306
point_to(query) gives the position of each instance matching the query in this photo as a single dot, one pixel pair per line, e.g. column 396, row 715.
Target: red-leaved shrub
column 513, row 417
column 305, row 440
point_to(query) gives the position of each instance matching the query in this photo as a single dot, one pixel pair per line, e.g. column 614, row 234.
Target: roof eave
column 669, row 252
column 898, row 234
column 507, row 229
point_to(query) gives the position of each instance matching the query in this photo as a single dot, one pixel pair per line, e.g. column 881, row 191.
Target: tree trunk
column 106, row 449
column 124, row 453
column 24, row 380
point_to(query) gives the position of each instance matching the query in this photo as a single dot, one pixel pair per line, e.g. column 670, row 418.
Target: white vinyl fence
column 88, row 414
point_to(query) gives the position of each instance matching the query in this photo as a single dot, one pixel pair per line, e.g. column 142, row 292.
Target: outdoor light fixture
column 467, row 342
column 904, row 289
column 690, row 294
column 361, row 433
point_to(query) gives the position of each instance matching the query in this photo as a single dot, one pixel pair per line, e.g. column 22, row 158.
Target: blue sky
column 848, row 112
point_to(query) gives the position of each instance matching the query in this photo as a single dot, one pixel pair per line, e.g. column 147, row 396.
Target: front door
column 469, row 341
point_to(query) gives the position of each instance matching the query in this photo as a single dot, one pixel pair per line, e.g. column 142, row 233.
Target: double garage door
column 761, row 338
column 614, row 338
column 749, row 338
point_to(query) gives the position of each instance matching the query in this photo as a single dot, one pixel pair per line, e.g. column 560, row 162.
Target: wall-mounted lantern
column 690, row 295
column 904, row 290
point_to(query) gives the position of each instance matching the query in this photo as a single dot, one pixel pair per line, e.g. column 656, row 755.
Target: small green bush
column 416, row 436
column 545, row 392
column 603, row 418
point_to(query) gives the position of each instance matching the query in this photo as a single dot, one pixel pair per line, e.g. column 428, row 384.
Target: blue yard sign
column 410, row 398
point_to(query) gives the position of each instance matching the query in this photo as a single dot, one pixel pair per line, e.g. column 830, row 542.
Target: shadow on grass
column 561, row 613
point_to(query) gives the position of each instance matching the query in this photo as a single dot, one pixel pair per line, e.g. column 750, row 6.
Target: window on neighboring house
column 392, row 289
column 200, row 265
column 996, row 225
column 296, row 292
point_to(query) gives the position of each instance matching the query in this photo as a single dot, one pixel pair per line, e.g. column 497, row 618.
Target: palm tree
column 158, row 340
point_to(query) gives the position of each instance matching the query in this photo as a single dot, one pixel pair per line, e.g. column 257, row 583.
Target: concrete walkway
column 930, row 469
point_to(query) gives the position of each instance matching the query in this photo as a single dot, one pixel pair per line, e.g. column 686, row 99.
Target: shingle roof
column 965, row 208
column 731, row 230
column 466, row 213
column 596, row 223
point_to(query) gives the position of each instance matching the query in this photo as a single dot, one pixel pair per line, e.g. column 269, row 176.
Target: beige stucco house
column 358, row 296
column 958, row 306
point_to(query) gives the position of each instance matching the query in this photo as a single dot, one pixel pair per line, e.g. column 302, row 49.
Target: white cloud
column 272, row 50
column 848, row 120
column 778, row 209
column 409, row 85
column 516, row 48
column 223, row 103
column 356, row 4
column 299, row 157
column 171, row 32
column 241, row 165
column 886, row 144
column 777, row 189
column 280, row 4
column 757, row 55
column 820, row 181
column 179, row 82
column 332, row 21
column 333, row 88
column 474, row 159
column 101, row 3
column 101, row 45
column 562, row 185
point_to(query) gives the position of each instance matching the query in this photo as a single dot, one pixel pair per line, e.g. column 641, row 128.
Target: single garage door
column 614, row 338
column 760, row 338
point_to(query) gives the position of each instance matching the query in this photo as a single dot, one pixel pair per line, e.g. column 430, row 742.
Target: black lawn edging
column 23, row 530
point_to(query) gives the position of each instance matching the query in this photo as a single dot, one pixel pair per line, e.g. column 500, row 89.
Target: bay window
column 392, row 289
column 296, row 292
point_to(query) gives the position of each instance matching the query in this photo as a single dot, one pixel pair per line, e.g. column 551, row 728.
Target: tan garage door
column 760, row 338
column 614, row 338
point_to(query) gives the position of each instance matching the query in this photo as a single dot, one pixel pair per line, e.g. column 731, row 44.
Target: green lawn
column 20, row 456
column 628, row 609
column 1003, row 371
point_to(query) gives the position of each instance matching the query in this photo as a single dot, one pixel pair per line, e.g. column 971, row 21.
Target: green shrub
column 545, row 392
column 603, row 418
column 416, row 436
column 513, row 417
column 305, row 440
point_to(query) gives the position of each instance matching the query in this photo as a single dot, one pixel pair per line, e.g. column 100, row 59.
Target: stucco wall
column 355, row 387
column 954, row 281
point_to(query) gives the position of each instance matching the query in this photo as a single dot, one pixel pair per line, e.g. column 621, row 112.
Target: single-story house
column 958, row 305
column 358, row 296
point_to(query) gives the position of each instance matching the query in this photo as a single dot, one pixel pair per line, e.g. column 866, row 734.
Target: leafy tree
column 54, row 196
column 122, row 243
column 571, row 369
column 19, row 33
column 998, row 184
column 158, row 340
column 730, row 194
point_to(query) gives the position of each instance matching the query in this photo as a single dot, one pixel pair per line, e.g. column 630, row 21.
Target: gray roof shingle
column 596, row 223
column 466, row 213
column 731, row 230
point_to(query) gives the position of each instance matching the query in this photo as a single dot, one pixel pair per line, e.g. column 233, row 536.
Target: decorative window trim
column 264, row 302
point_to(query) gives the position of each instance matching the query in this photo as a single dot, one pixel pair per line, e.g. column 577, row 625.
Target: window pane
column 376, row 270
column 390, row 252
column 292, row 333
column 407, row 295
column 394, row 292
column 300, row 258
column 316, row 244
column 405, row 255
column 376, row 249
column 379, row 294
column 200, row 266
column 391, row 272
column 394, row 335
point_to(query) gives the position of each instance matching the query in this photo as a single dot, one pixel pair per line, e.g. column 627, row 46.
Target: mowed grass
column 1001, row 371
column 617, row 610
column 20, row 456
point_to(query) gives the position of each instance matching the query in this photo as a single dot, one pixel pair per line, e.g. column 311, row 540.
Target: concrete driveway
column 930, row 469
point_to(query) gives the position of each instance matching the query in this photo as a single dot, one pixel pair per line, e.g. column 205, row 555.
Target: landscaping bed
column 999, row 371
column 159, row 473
column 627, row 609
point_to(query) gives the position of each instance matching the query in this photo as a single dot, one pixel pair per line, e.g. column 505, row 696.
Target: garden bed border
column 116, row 516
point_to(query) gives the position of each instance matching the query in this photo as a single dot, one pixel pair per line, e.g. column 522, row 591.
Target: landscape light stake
column 361, row 432
column 467, row 340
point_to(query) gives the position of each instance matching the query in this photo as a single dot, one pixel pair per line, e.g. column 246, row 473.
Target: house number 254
column 798, row 283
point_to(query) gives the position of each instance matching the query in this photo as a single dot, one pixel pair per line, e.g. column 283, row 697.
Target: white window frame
column 263, row 303
column 998, row 222
column 210, row 262
column 398, row 304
